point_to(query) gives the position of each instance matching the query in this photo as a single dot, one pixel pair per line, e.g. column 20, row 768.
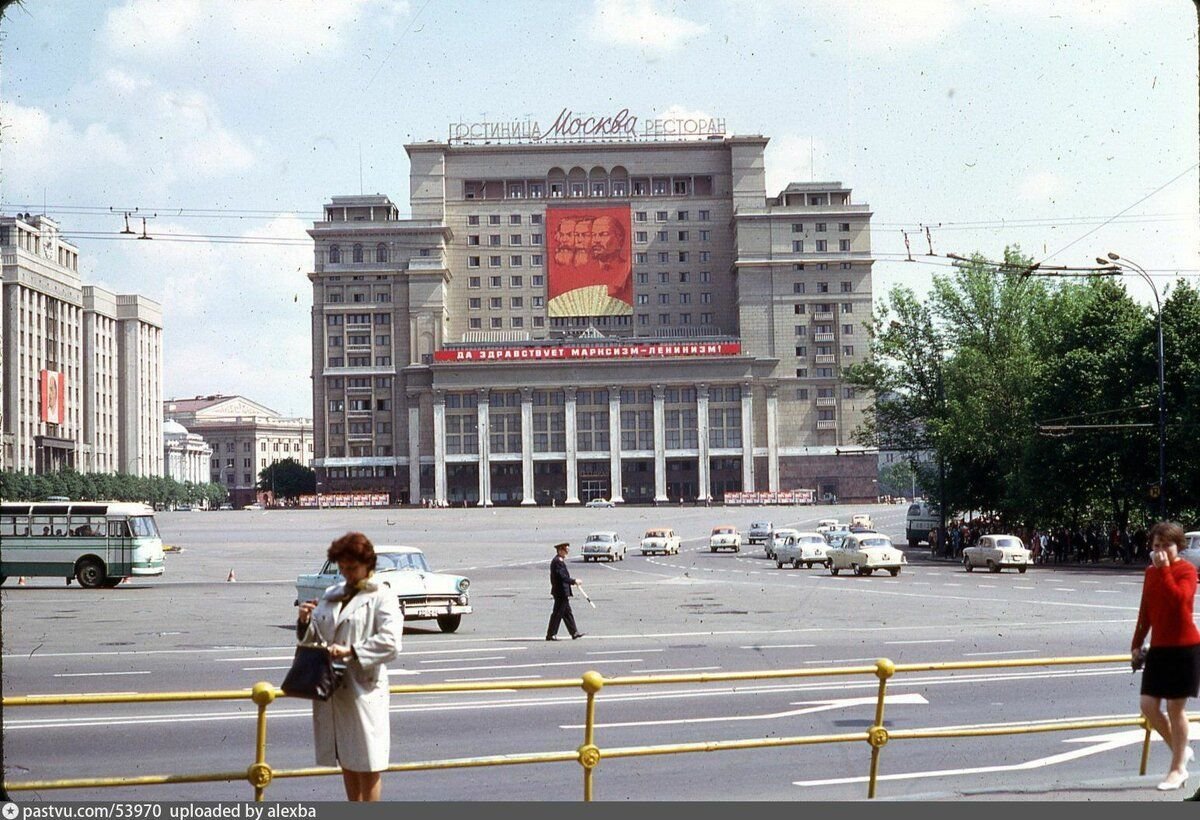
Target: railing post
column 259, row 774
column 589, row 753
column 878, row 736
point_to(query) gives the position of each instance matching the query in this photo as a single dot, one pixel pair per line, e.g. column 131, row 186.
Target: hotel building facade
column 81, row 366
column 689, row 345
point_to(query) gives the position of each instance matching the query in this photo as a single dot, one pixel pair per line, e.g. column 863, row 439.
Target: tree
column 287, row 479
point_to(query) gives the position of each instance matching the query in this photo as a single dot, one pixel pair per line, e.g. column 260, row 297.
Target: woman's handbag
column 314, row 675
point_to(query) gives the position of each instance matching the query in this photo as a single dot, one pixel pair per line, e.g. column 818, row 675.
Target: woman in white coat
column 361, row 622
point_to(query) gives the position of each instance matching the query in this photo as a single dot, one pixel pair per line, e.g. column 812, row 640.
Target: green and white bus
column 98, row 543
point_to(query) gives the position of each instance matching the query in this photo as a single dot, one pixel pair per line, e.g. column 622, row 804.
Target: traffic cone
column 21, row 581
column 231, row 579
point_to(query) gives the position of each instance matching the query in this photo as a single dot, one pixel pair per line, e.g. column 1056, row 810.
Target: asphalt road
column 696, row 612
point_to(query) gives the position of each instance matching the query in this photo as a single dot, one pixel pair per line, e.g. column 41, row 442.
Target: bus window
column 8, row 525
column 59, row 523
column 118, row 529
column 41, row 525
column 143, row 526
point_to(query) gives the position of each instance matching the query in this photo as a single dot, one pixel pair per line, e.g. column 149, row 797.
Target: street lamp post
column 1117, row 264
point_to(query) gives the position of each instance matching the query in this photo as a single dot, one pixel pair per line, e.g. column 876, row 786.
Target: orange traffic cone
column 21, row 581
column 231, row 579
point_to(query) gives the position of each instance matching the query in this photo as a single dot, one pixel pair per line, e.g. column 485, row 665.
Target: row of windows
column 665, row 298
column 799, row 266
column 665, row 236
column 514, row 261
column 338, row 382
column 680, row 216
column 821, row 307
column 360, row 339
column 822, row 287
column 595, row 397
column 248, row 446
column 497, row 302
column 513, row 219
column 497, row 281
column 665, row 256
column 664, row 277
column 514, row 240
column 338, row 319
column 357, row 254
column 359, row 361
column 822, row 246
column 335, row 295
column 843, row 227
column 580, row 184
column 824, row 350
column 819, row 373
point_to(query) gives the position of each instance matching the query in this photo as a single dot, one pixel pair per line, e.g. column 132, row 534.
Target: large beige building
column 245, row 437
column 449, row 362
column 82, row 367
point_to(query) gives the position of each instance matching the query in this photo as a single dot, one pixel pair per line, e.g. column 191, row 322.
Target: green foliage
column 288, row 479
column 157, row 490
column 1027, row 390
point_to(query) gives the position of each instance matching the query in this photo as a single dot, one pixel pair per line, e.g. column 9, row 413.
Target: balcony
column 826, row 424
column 826, row 358
column 826, row 401
column 822, row 337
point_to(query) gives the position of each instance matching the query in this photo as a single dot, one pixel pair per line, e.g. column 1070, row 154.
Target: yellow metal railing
column 260, row 774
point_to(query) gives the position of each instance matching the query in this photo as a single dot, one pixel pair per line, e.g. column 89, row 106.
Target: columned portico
column 773, row 437
column 572, row 445
column 527, row 447
column 660, row 447
column 485, row 448
column 414, row 448
column 614, row 443
column 439, row 448
column 747, row 438
column 705, row 490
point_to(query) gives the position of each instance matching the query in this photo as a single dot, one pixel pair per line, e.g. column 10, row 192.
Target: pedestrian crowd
column 1091, row 543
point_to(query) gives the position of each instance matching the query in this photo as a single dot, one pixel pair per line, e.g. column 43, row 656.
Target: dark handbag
column 314, row 675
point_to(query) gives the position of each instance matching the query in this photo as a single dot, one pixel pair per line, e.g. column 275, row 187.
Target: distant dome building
column 185, row 454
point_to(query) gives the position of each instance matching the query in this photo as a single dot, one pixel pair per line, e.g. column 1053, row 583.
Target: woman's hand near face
column 306, row 610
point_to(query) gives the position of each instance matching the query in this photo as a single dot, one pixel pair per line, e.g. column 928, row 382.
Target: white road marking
column 484, row 680
column 1005, row 652
column 676, row 670
column 1064, row 589
column 460, row 660
column 907, row 643
column 406, row 654
column 810, row 707
column 951, row 585
column 623, row 651
column 94, row 674
column 533, row 665
column 846, row 660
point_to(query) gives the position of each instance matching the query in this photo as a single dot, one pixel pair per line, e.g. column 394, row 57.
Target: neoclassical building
column 81, row 367
column 560, row 321
column 185, row 454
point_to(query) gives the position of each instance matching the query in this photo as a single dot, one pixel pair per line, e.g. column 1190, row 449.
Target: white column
column 485, row 449
column 527, row 447
column 704, row 493
column 773, row 437
column 414, row 448
column 660, row 447
column 439, row 446
column 614, row 443
column 747, row 438
column 572, row 446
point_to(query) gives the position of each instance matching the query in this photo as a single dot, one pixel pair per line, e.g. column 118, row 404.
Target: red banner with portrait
column 589, row 262
column 54, row 389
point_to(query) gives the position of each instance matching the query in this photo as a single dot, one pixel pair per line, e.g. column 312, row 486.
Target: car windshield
column 723, row 531
column 761, row 525
column 1010, row 543
column 143, row 526
column 875, row 542
column 600, row 536
column 656, row 534
column 401, row 561
column 812, row 539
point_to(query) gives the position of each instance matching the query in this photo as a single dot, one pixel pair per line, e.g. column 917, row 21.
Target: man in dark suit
column 560, row 588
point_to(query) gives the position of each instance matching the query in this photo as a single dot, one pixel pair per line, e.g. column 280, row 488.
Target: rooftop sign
column 572, row 127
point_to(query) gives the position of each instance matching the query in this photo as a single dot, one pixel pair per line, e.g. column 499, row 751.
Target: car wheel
column 449, row 623
column 867, row 570
column 1021, row 570
column 895, row 572
column 89, row 572
column 796, row 565
column 992, row 567
column 833, row 570
column 967, row 564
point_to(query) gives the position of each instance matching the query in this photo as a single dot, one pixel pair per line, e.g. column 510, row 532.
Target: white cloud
column 47, row 146
column 261, row 34
column 889, row 26
column 1040, row 187
column 642, row 23
column 790, row 158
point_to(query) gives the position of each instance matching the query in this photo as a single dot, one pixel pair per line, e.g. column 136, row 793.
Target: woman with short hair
column 361, row 622
column 1172, row 663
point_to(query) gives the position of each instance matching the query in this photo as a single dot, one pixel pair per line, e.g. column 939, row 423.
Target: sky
column 1067, row 128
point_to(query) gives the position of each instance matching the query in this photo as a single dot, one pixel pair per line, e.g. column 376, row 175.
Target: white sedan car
column 777, row 538
column 864, row 552
column 660, row 539
column 828, row 525
column 423, row 593
column 805, row 548
column 599, row 502
column 604, row 544
column 725, row 537
column 997, row 552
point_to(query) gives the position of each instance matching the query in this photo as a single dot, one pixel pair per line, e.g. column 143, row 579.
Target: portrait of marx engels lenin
column 589, row 267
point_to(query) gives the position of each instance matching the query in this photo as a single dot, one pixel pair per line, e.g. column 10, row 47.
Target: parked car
column 225, row 507
column 423, row 593
column 862, row 520
column 777, row 538
column 599, row 502
column 805, row 548
column 863, row 553
column 997, row 552
column 920, row 519
column 604, row 544
column 759, row 532
column 725, row 537
column 253, row 507
column 827, row 524
column 1192, row 551
column 660, row 539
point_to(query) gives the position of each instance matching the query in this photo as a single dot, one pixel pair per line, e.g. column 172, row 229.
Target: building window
column 660, row 216
column 706, row 318
column 641, row 236
column 358, row 253
column 494, row 240
column 514, row 219
column 475, row 323
column 335, row 257
column 801, row 330
column 474, row 303
column 664, row 298
column 847, row 307
column 801, row 372
column 801, row 351
column 684, row 277
column 639, row 216
column 844, row 227
column 497, row 323
column 797, row 246
column 664, row 318
column 822, row 246
column 493, row 219
column 535, row 259
column 847, row 287
column 493, row 261
column 704, row 236
column 822, row 287
column 539, row 280
column 847, row 350
column 515, row 261
column 799, row 310
column 704, row 276
column 517, row 302
column 797, row 227
column 515, row 239
column 847, row 330
column 820, row 227
column 472, row 261
column 704, row 216
column 847, row 266
column 843, row 244
column 473, row 219
column 381, row 253
column 472, row 239
column 664, row 257
column 661, row 236
column 535, row 219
